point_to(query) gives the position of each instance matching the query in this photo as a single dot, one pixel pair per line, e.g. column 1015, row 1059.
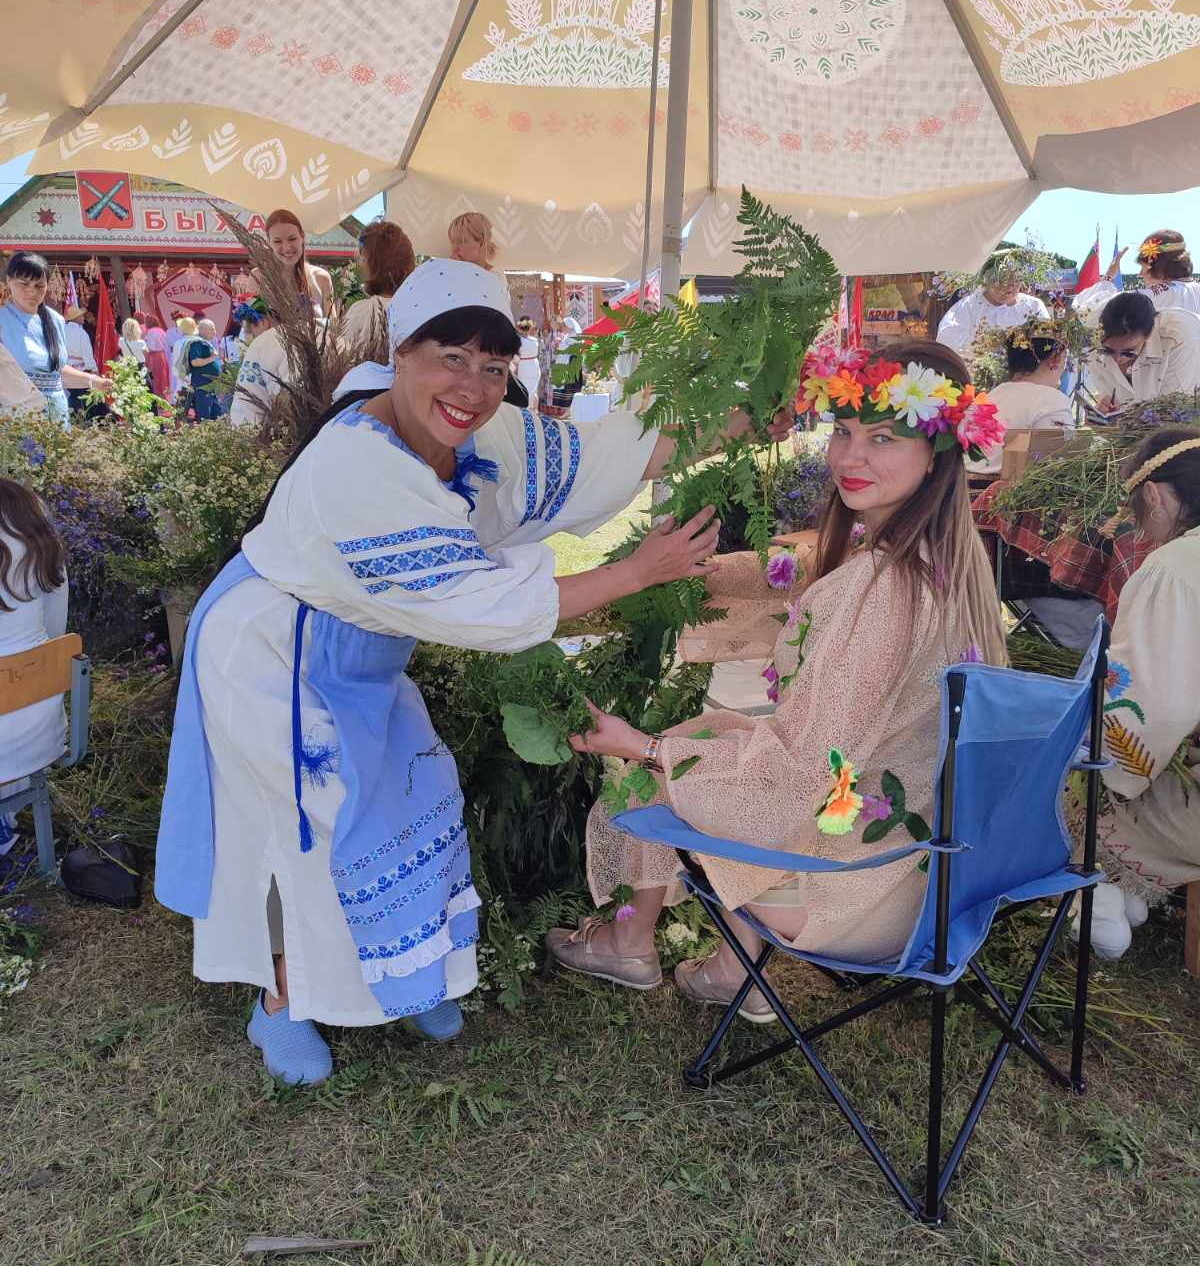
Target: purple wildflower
column 858, row 533
column 972, row 655
column 782, row 570
column 875, row 808
column 624, row 912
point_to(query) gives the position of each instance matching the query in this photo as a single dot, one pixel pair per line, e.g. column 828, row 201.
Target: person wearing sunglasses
column 1143, row 353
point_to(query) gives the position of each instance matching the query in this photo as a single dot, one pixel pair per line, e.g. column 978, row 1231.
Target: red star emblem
column 46, row 217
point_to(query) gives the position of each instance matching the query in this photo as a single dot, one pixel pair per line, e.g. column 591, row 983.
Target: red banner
column 105, row 199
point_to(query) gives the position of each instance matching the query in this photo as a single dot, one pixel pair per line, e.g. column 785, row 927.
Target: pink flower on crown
column 821, row 362
column 977, row 421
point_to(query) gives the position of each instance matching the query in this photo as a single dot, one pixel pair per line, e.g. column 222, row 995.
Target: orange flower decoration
column 843, row 804
column 1151, row 250
column 845, row 390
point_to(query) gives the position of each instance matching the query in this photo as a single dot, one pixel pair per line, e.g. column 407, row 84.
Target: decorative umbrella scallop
column 908, row 133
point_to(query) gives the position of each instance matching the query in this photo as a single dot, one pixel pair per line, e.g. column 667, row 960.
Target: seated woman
column 1030, row 400
column 1151, row 837
column 33, row 609
column 861, row 701
column 1143, row 353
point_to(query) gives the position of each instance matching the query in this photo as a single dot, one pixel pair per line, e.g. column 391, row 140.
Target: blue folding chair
column 28, row 677
column 1008, row 742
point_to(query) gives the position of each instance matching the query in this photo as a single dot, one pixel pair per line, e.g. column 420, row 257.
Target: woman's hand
column 739, row 423
column 611, row 737
column 669, row 553
column 1115, row 267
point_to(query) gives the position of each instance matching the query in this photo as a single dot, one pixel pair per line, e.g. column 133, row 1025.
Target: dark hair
column 388, row 257
column 43, row 566
column 1024, row 360
column 490, row 330
column 525, row 324
column 1182, row 472
column 26, row 266
column 931, row 538
column 1129, row 313
column 1168, row 265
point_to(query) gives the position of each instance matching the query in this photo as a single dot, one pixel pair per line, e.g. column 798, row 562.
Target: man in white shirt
column 79, row 354
column 999, row 302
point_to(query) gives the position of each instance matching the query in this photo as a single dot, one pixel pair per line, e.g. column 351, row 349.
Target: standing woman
column 1166, row 271
column 471, row 240
column 131, row 343
column 285, row 236
column 313, row 821
column 386, row 258
column 156, row 357
column 529, row 367
column 36, row 336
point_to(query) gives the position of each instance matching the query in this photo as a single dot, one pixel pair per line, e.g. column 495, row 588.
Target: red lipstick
column 854, row 485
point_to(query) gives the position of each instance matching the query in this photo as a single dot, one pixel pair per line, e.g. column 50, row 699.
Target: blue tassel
column 307, row 840
column 469, row 464
column 317, row 762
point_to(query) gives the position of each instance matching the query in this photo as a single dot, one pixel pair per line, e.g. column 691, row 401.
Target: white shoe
column 1136, row 910
column 1111, row 933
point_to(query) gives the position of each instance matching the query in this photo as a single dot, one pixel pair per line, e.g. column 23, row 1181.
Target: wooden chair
column 28, row 677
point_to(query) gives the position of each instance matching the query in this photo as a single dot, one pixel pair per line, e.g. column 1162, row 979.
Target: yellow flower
column 815, row 395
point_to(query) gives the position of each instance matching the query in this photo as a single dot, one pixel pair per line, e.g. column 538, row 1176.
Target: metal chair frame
column 926, row 1202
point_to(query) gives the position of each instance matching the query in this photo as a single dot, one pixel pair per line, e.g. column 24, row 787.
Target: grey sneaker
column 576, row 951
column 691, row 977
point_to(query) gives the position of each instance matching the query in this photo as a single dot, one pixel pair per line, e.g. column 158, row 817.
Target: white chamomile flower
column 679, row 934
column 911, row 396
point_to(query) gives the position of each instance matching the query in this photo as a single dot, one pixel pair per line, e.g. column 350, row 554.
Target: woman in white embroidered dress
column 1151, row 836
column 1166, row 269
column 312, row 824
column 852, row 748
column 1143, row 354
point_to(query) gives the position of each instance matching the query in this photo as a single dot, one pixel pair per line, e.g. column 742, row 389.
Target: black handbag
column 106, row 873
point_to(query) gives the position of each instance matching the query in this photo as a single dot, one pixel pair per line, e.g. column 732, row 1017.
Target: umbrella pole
column 677, row 120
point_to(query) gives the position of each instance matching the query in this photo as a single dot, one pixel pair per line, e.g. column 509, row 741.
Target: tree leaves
column 682, row 767
column 532, row 736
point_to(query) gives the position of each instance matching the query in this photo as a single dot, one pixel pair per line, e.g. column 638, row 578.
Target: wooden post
column 118, row 274
column 1191, row 930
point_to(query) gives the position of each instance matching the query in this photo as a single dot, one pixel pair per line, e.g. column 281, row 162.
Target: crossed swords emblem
column 104, row 201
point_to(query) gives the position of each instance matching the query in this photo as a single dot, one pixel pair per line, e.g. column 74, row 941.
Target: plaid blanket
column 1086, row 561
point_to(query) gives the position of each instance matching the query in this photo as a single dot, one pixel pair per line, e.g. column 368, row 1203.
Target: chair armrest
column 81, row 711
column 660, row 825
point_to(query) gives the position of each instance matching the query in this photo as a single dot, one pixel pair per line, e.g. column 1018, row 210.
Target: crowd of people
column 417, row 509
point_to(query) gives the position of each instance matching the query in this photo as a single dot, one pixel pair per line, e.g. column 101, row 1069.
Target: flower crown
column 918, row 400
column 1153, row 247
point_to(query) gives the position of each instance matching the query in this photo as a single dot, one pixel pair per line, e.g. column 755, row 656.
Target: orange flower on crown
column 1151, row 249
column 845, row 389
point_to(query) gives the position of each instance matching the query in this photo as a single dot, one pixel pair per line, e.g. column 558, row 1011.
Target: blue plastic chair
column 1008, row 742
column 28, row 677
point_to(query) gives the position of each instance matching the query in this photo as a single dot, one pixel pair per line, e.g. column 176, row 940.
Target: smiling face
column 287, row 242
column 28, row 292
column 876, row 471
column 446, row 393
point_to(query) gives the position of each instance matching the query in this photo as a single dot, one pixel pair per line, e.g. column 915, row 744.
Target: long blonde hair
column 931, row 539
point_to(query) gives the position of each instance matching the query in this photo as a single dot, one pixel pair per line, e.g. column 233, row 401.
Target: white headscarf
column 437, row 286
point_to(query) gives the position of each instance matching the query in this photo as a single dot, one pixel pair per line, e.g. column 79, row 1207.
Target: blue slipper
column 441, row 1024
column 292, row 1049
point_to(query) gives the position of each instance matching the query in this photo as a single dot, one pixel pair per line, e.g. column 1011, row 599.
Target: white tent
column 908, row 133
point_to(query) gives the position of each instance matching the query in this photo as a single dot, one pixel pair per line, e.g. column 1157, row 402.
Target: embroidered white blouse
column 264, row 367
column 973, row 313
column 364, row 530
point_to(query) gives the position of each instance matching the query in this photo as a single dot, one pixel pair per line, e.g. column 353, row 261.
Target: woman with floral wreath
column 849, row 755
column 1166, row 271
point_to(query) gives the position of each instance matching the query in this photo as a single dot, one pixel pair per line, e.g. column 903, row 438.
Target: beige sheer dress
column 868, row 687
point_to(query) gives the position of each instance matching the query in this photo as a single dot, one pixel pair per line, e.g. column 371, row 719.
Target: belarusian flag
column 1089, row 271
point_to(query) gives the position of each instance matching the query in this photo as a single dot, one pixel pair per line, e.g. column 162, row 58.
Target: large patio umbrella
column 908, row 133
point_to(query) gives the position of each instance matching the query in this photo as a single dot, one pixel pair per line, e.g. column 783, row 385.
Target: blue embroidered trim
column 401, row 837
column 530, row 467
column 407, row 868
column 572, row 471
column 417, row 560
column 426, row 582
column 360, row 544
column 411, row 940
column 354, row 415
column 417, row 890
column 552, row 437
column 416, row 1008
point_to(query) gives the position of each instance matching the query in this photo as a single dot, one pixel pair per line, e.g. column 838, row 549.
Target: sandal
column 575, row 951
column 692, row 979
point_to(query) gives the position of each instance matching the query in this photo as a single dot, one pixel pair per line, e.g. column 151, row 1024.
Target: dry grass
column 139, row 1129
